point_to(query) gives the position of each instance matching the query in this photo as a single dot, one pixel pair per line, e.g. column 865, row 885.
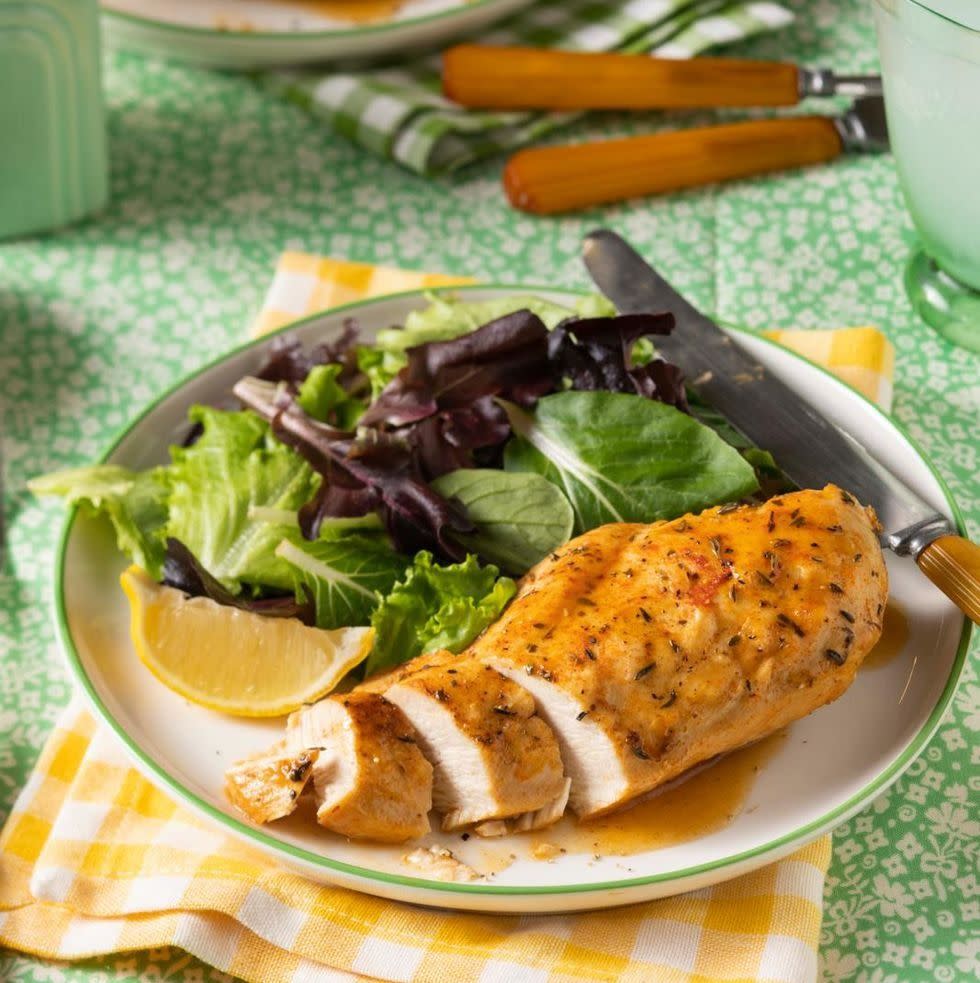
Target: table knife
column 550, row 180
column 535, row 78
column 810, row 449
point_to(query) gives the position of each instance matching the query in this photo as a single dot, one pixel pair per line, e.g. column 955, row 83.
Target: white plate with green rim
column 827, row 767
column 247, row 34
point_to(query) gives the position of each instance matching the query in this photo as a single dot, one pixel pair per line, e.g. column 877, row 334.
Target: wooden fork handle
column 953, row 565
column 533, row 78
column 547, row 180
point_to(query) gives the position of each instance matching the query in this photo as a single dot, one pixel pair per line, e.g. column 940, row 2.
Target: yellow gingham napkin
column 94, row 859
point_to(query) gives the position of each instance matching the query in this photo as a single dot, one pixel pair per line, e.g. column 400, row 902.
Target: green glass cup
column 930, row 63
column 53, row 164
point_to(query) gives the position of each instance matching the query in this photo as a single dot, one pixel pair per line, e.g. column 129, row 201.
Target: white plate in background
column 246, row 34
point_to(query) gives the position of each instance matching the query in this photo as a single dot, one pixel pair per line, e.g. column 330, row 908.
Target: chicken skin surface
column 652, row 648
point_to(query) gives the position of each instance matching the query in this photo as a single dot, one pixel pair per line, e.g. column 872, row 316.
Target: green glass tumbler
column 53, row 164
column 930, row 63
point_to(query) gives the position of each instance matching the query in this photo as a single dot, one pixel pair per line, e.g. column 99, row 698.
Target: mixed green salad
column 404, row 483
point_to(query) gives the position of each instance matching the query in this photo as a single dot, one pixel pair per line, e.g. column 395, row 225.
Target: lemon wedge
column 235, row 661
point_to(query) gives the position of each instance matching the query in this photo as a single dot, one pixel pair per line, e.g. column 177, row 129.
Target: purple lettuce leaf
column 470, row 436
column 374, row 471
column 288, row 361
column 596, row 354
column 507, row 357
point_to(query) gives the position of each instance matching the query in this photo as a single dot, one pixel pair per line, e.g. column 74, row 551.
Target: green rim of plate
column 291, row 36
column 797, row 837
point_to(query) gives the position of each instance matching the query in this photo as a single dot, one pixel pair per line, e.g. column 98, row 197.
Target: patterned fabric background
column 213, row 178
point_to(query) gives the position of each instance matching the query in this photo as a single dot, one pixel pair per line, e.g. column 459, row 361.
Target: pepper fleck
column 785, row 619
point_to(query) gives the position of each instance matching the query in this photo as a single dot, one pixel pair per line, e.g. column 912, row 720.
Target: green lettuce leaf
column 234, row 468
column 769, row 474
column 436, row 607
column 346, row 575
column 622, row 459
column 135, row 502
column 323, row 398
column 520, row 517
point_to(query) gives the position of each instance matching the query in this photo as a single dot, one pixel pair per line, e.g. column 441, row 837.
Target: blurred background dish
column 245, row 34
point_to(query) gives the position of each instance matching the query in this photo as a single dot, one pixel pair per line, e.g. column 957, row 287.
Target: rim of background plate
column 244, row 831
column 193, row 30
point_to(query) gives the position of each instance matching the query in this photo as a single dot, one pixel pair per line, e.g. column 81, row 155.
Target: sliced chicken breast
column 268, row 786
column 493, row 757
column 370, row 779
column 650, row 649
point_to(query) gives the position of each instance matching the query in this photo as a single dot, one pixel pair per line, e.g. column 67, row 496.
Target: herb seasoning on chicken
column 636, row 652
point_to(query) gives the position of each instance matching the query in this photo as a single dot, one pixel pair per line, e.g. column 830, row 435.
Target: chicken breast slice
column 650, row 649
column 493, row 757
column 370, row 779
column 267, row 786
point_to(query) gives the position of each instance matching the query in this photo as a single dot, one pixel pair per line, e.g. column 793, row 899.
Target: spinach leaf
column 344, row 575
column 519, row 517
column 623, row 459
column 770, row 475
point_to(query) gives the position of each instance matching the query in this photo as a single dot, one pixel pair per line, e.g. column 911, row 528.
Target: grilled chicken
column 652, row 648
column 369, row 778
column 268, row 785
column 493, row 757
column 629, row 656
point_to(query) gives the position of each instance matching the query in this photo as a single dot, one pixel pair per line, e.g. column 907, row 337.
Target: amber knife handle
column 953, row 565
column 532, row 78
column 548, row 180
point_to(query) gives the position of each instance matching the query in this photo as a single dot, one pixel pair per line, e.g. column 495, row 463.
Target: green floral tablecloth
column 213, row 178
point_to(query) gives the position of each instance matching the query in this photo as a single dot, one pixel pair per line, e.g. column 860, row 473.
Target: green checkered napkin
column 400, row 114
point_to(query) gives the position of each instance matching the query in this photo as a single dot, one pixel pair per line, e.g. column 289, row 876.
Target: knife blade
column 810, row 449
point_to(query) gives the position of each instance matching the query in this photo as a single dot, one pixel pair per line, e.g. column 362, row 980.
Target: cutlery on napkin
column 556, row 179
